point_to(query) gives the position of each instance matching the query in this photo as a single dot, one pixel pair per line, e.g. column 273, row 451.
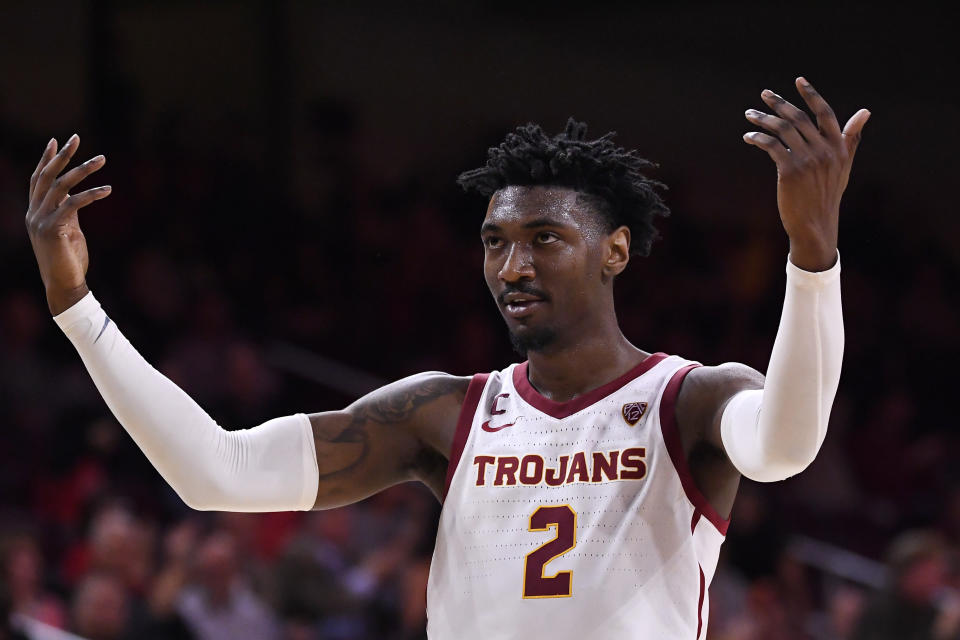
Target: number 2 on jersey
column 535, row 583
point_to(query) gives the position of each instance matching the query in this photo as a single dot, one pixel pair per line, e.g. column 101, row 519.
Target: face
column 100, row 607
column 924, row 578
column 549, row 262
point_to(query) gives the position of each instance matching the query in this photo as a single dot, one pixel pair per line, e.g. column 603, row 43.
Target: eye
column 492, row 242
column 547, row 237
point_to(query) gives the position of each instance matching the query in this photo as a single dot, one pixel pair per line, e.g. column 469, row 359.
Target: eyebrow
column 542, row 221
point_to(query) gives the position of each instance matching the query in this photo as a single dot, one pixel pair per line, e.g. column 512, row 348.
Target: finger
column 853, row 130
column 769, row 144
column 82, row 199
column 48, row 152
column 826, row 119
column 779, row 127
column 795, row 116
column 55, row 166
column 62, row 185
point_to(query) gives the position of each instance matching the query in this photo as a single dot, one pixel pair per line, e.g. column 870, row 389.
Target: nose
column 518, row 264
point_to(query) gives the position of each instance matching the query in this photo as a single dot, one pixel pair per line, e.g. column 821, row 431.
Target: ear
column 617, row 252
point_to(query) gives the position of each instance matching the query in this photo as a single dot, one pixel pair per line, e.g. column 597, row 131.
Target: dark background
column 285, row 231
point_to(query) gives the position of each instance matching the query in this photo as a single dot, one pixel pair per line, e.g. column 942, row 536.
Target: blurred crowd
column 207, row 267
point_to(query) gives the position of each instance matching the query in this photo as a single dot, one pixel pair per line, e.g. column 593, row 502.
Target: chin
column 526, row 339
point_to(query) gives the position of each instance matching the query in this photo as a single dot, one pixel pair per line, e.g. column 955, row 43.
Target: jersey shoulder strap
column 467, row 410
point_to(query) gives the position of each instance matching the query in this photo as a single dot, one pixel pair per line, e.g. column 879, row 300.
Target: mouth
column 520, row 305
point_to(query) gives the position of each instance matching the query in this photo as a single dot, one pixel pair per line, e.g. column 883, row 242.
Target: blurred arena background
column 285, row 233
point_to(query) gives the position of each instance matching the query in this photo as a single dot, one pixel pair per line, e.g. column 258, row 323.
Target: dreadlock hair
column 608, row 175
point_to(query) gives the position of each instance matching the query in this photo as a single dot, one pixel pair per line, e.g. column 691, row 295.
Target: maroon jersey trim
column 562, row 410
column 703, row 592
column 467, row 411
column 671, row 437
column 703, row 578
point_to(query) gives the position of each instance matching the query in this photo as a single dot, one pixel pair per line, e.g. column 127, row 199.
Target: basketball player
column 587, row 490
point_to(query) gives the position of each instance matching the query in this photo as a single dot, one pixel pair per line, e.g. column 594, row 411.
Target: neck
column 592, row 359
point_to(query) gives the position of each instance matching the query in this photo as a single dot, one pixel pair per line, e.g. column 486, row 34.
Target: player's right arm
column 397, row 433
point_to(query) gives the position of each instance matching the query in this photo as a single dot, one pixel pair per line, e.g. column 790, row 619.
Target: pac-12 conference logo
column 633, row 411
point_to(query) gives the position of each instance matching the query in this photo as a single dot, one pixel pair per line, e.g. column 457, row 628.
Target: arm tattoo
column 398, row 405
column 388, row 406
column 352, row 433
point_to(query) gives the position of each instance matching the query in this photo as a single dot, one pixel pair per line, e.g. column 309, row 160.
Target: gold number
column 535, row 583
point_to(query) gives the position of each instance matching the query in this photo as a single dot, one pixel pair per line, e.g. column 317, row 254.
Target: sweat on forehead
column 562, row 205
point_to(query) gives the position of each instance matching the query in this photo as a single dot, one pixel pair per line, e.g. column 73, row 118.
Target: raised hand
column 813, row 166
column 52, row 223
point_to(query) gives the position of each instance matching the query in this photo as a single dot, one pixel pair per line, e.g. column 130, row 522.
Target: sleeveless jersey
column 574, row 519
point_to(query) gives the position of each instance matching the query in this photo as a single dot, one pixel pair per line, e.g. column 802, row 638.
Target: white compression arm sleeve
column 271, row 467
column 775, row 432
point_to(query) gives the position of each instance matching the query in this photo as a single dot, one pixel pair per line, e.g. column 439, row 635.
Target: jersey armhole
column 671, row 437
column 467, row 411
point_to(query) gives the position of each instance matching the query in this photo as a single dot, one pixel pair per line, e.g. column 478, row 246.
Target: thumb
column 853, row 130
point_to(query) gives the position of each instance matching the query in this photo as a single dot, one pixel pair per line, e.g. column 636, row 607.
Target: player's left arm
column 772, row 428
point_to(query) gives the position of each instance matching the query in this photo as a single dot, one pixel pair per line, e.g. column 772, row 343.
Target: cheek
column 582, row 267
column 490, row 270
column 570, row 278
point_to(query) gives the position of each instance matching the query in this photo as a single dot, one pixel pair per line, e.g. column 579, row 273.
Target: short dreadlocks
column 610, row 176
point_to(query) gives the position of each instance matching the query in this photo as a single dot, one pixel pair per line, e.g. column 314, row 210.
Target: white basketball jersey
column 574, row 519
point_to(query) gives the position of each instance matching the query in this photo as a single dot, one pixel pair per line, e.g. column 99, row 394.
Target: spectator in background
column 162, row 622
column 844, row 609
column 765, row 617
column 220, row 605
column 7, row 632
column 100, row 608
column 22, row 566
column 121, row 544
column 917, row 604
